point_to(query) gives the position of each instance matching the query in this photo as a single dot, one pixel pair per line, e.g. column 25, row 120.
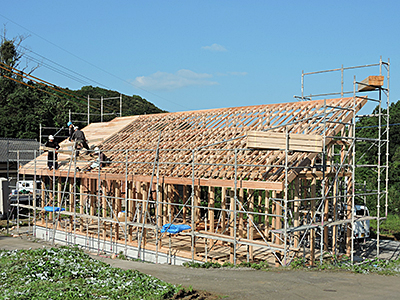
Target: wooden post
column 113, row 212
column 169, row 198
column 184, row 199
column 134, row 203
column 211, row 204
column 223, row 206
column 266, row 211
column 92, row 191
column 273, row 211
column 43, row 193
column 196, row 204
column 296, row 216
column 51, row 198
column 105, row 207
column 250, row 220
column 130, row 211
column 312, row 231
column 165, row 203
column 145, row 212
column 59, row 194
column 160, row 212
column 334, row 228
column 326, row 216
column 118, row 206
column 59, row 189
column 349, row 231
column 241, row 215
column 278, row 220
column 232, row 216
column 81, row 202
column 71, row 202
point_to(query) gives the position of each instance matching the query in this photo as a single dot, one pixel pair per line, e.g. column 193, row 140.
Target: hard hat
column 69, row 123
column 51, row 137
column 96, row 149
column 76, row 127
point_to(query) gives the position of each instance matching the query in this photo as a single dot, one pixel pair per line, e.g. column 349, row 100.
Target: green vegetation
column 68, row 273
column 377, row 266
column 207, row 265
column 367, row 154
column 25, row 104
column 390, row 227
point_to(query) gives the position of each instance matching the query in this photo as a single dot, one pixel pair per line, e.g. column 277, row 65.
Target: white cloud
column 169, row 81
column 215, row 47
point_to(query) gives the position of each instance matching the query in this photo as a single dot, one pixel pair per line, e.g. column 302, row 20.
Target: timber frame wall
column 244, row 201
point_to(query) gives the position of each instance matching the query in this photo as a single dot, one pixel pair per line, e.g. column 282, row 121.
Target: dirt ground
column 251, row 284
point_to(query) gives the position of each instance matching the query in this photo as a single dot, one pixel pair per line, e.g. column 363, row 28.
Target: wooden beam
column 370, row 83
column 250, row 184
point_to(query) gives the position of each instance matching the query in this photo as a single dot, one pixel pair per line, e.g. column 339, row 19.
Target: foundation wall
column 93, row 244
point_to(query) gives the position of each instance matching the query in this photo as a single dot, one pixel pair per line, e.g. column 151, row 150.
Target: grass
column 377, row 266
column 389, row 227
column 68, row 273
column 207, row 265
column 368, row 266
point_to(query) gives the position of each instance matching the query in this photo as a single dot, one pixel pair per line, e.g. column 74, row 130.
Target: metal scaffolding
column 262, row 183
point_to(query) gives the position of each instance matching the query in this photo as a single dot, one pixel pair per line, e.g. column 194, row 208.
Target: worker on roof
column 70, row 130
column 101, row 159
column 79, row 138
column 52, row 154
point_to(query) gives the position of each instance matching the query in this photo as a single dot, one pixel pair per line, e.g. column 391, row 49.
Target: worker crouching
column 101, row 160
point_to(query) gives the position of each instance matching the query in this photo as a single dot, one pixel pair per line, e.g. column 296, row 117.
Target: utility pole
column 88, row 110
column 120, row 105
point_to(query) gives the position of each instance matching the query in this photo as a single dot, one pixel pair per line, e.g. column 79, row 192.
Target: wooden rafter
column 214, row 135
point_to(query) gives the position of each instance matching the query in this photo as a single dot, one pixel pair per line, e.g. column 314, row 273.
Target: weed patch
column 68, row 273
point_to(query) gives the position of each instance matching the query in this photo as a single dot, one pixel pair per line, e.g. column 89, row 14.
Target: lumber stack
column 370, row 83
column 277, row 141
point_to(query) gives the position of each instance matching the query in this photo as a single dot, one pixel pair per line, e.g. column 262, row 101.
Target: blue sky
column 190, row 55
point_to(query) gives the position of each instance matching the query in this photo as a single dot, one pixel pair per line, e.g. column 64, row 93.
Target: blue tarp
column 52, row 208
column 171, row 228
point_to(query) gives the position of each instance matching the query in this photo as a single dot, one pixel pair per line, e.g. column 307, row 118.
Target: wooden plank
column 277, row 141
column 265, row 145
column 370, row 83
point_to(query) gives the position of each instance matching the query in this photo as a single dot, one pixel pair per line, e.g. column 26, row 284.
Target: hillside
column 25, row 105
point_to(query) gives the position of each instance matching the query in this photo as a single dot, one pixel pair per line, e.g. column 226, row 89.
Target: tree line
column 25, row 103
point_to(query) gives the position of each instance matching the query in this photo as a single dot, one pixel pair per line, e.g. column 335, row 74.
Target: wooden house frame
column 250, row 184
column 254, row 183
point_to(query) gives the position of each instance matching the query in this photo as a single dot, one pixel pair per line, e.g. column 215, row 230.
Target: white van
column 25, row 187
column 361, row 228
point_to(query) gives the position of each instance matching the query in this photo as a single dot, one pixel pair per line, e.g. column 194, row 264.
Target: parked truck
column 362, row 227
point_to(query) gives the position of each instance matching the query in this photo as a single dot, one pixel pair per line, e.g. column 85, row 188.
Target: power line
column 55, row 69
column 374, row 126
column 72, row 71
column 93, row 65
column 37, row 80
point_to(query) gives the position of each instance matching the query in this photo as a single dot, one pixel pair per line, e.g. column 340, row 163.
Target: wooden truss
column 203, row 143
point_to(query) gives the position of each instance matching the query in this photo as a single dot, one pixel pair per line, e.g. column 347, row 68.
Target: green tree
column 367, row 153
column 25, row 104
